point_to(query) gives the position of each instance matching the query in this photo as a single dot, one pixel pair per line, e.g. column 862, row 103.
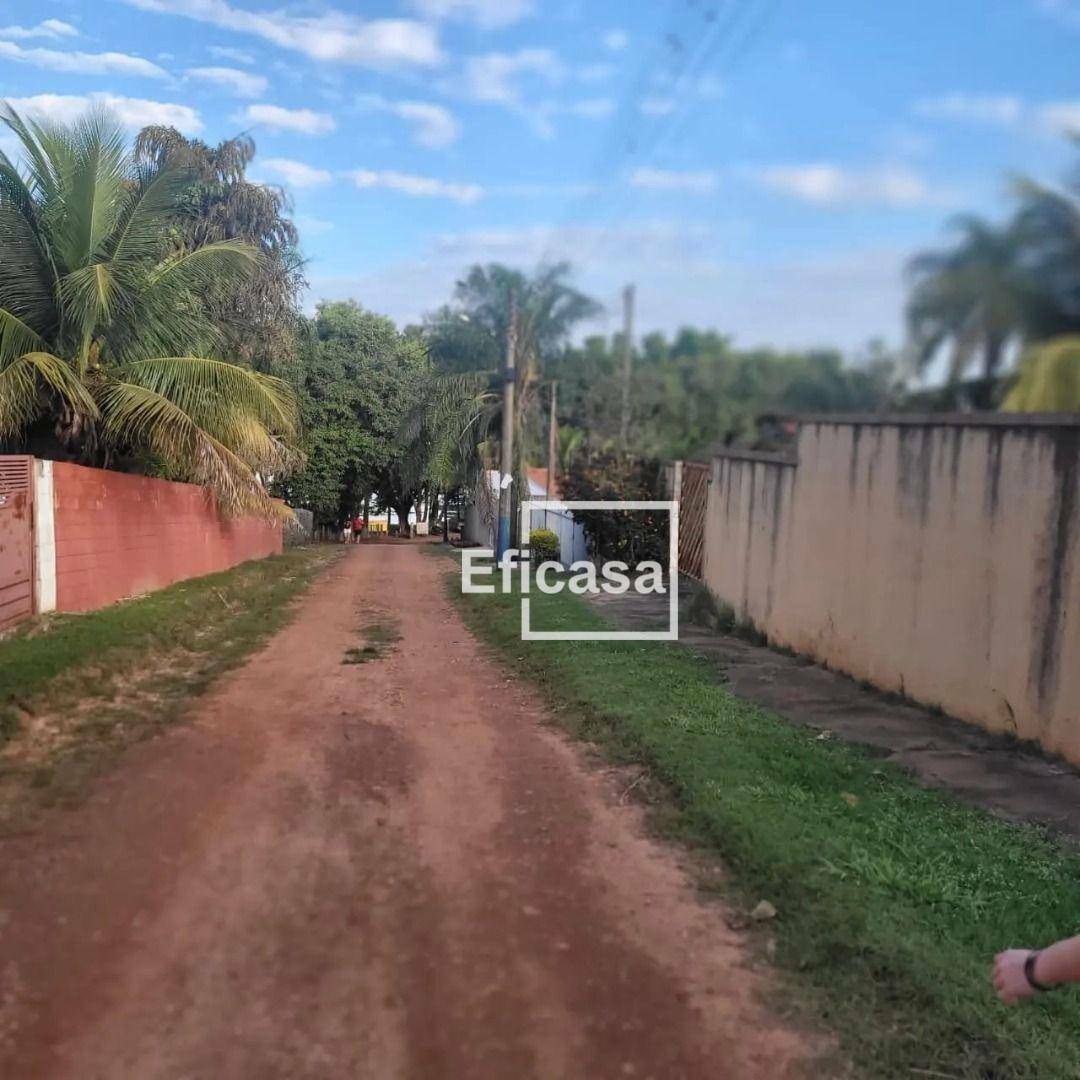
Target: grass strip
column 892, row 899
column 75, row 687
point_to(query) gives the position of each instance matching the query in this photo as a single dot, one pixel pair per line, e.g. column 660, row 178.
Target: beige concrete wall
column 937, row 559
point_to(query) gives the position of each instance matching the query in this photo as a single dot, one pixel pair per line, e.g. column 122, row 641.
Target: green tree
column 357, row 378
column 699, row 392
column 109, row 348
column 259, row 319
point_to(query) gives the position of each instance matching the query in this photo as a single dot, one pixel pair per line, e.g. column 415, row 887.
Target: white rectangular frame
column 670, row 634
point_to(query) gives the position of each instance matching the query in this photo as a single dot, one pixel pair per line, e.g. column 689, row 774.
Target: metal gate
column 16, row 539
column 693, row 500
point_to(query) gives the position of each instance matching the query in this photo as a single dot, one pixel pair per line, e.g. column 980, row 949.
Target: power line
column 720, row 32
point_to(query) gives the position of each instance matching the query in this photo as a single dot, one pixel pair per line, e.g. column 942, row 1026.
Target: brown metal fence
column 16, row 539
column 692, row 492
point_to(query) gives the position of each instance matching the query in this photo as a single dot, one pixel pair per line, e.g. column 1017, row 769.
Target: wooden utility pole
column 627, row 360
column 506, row 470
column 553, row 441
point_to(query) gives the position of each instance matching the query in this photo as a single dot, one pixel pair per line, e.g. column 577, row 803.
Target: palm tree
column 547, row 309
column 106, row 317
column 974, row 296
column 1048, row 225
column 445, row 434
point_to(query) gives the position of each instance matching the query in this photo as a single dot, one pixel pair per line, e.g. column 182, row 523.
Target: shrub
column 631, row 536
column 544, row 545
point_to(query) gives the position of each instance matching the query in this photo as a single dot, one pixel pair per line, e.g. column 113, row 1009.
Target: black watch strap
column 1029, row 972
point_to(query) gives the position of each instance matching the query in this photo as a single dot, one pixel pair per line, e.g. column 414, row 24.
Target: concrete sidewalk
column 1010, row 780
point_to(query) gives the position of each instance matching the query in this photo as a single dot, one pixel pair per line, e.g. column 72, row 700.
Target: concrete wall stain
column 959, row 565
column 1061, row 524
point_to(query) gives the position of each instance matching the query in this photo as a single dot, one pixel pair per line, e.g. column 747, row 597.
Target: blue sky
column 764, row 167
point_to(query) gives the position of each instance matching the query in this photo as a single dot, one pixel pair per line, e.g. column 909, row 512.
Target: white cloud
column 49, row 28
column 495, row 77
column 240, row 83
column 1005, row 110
column 1065, row 11
column 81, row 63
column 543, row 191
column 331, row 37
column 616, row 40
column 276, row 118
column 133, row 113
column 701, row 182
column 657, row 106
column 433, row 125
column 296, row 173
column 591, row 108
column 829, row 184
column 485, row 13
column 417, row 186
column 594, row 73
column 1060, row 117
column 227, row 52
column 999, row 109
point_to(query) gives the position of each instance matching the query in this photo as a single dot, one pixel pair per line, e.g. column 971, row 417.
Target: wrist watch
column 1029, row 972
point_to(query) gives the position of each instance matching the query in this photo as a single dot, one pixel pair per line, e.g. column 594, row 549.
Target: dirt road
column 372, row 870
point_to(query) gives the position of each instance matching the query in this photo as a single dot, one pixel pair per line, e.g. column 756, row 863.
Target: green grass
column 892, row 899
column 97, row 681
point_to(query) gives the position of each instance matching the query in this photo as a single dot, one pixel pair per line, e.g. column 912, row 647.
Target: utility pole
column 553, row 441
column 628, row 353
column 506, row 495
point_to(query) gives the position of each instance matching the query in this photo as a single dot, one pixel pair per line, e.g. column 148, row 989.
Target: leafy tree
column 109, row 346
column 699, row 392
column 259, row 319
column 458, row 343
column 357, row 378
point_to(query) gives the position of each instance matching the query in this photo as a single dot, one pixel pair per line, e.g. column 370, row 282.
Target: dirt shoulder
column 387, row 866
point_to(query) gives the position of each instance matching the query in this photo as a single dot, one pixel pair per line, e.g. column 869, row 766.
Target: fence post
column 676, row 484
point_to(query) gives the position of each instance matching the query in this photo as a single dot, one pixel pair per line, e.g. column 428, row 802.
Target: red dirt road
column 383, row 870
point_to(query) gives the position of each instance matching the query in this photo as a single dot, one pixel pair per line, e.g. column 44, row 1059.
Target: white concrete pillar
column 44, row 538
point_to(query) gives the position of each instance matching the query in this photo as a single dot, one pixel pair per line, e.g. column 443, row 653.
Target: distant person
column 1022, row 973
column 357, row 528
column 346, row 533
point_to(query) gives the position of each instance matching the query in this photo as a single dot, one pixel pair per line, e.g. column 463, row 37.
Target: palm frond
column 210, row 267
column 17, row 338
column 142, row 417
column 211, row 390
column 21, row 380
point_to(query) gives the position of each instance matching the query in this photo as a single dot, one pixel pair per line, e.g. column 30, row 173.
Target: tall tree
column 549, row 309
column 109, row 345
column 1048, row 225
column 357, row 378
column 220, row 203
column 974, row 297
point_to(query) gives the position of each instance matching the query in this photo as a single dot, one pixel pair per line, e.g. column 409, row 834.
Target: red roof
column 539, row 477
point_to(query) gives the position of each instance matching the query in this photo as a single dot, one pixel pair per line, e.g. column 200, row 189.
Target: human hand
column 1010, row 981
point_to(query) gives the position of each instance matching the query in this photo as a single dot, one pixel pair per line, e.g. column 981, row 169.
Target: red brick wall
column 119, row 535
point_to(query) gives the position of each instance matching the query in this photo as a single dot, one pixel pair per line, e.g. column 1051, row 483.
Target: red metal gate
column 16, row 539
